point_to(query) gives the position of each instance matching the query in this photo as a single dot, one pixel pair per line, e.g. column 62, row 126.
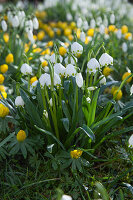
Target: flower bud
column 4, row 25
column 19, row 101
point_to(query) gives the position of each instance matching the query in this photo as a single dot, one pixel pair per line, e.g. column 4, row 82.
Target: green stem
column 29, row 82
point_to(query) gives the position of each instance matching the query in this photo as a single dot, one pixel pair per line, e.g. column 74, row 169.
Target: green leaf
column 23, row 149
column 65, row 123
column 88, row 132
column 7, row 139
column 66, row 111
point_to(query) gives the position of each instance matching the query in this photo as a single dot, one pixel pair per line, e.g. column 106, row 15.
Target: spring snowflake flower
column 93, row 65
column 30, row 36
column 21, row 136
column 4, row 25
column 105, row 59
column 82, row 36
column 45, row 113
column 76, row 49
column 103, row 80
column 85, row 25
column 66, row 197
column 21, row 17
column 92, row 88
column 99, row 21
column 131, row 90
column 102, row 29
column 70, row 70
column 119, row 34
column 112, row 18
column 45, row 79
column 130, row 141
column 53, row 58
column 29, row 25
column 72, row 60
column 26, row 69
column 69, row 17
column 79, row 80
column 79, row 22
column 35, row 23
column 51, row 102
column 57, row 80
column 92, row 23
column 59, row 69
column 15, row 21
column 19, row 101
column 88, row 99
column 124, row 47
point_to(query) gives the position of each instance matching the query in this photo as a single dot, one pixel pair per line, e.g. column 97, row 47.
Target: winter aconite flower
column 21, row 136
column 107, row 71
column 93, row 65
column 9, row 58
column 90, row 32
column 76, row 154
column 26, row 69
column 124, row 29
column 33, row 79
column 76, row 49
column 125, row 75
column 19, row 101
column 62, row 51
column 1, row 79
column 44, row 63
column 105, row 59
column 4, row 111
column 130, row 141
column 119, row 94
column 4, row 95
column 4, row 68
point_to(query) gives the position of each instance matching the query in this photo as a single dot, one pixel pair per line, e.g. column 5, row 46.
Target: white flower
column 66, row 197
column 29, row 25
column 34, row 84
column 26, row 69
column 57, row 80
column 79, row 22
column 131, row 90
column 46, row 69
column 45, row 79
column 59, row 69
column 15, row 21
column 45, row 113
column 91, row 88
column 88, row 99
column 99, row 21
column 124, row 47
column 19, row 101
column 71, row 60
column 105, row 59
column 93, row 65
column 4, row 25
column 35, row 23
column 9, row 16
column 76, row 49
column 119, row 34
column 85, row 25
column 105, row 21
column 103, row 80
column 130, row 141
column 21, row 16
column 102, row 29
column 53, row 58
column 69, row 16
column 112, row 18
column 51, row 102
column 106, row 36
column 82, row 36
column 70, row 70
column 92, row 23
column 30, row 36
column 79, row 80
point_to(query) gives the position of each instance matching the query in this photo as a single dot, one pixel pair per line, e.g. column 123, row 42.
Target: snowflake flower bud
column 30, row 36
column 124, row 47
column 119, row 34
column 103, row 80
column 26, row 69
column 66, row 197
column 4, row 25
column 35, row 23
column 131, row 90
column 45, row 113
column 85, row 25
column 92, row 23
column 79, row 80
column 130, row 141
column 57, row 80
column 19, row 101
column 79, row 22
column 105, row 59
column 82, row 36
column 88, row 99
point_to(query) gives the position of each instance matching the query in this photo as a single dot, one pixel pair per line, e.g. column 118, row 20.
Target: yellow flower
column 67, row 31
column 51, row 33
column 9, row 58
column 128, row 36
column 90, row 32
column 1, row 78
column 111, row 28
column 106, row 30
column 76, row 154
column 58, row 32
column 125, row 75
column 70, row 37
column 4, row 94
column 124, row 29
column 37, row 50
column 86, row 40
column 44, row 63
column 62, row 51
column 4, row 111
column 107, row 71
column 33, row 79
column 35, row 37
column 73, row 25
column 50, row 44
column 4, row 68
column 118, row 96
column 41, row 35
column 21, row 136
column 6, row 37
column 113, row 89
column 2, row 88
column 78, row 31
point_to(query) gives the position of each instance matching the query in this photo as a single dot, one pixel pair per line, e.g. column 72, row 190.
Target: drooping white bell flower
column 85, row 25
column 91, row 88
column 92, row 23
column 29, row 25
column 130, row 141
column 105, row 21
column 106, row 36
column 57, row 80
column 93, row 65
column 45, row 79
column 30, row 36
column 66, row 197
column 1, row 8
column 124, row 47
column 112, row 18
column 19, row 101
column 88, row 99
column 102, row 29
column 79, row 22
column 51, row 102
column 99, row 21
column 131, row 90
column 79, row 80
column 35, row 23
column 119, row 34
column 70, row 70
column 53, row 58
column 103, row 80
column 105, row 59
column 15, row 21
column 21, row 16
column 72, row 60
column 76, row 49
column 9, row 16
column 4, row 25
column 26, row 69
column 59, row 69
column 82, row 36
column 69, row 17
column 45, row 113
